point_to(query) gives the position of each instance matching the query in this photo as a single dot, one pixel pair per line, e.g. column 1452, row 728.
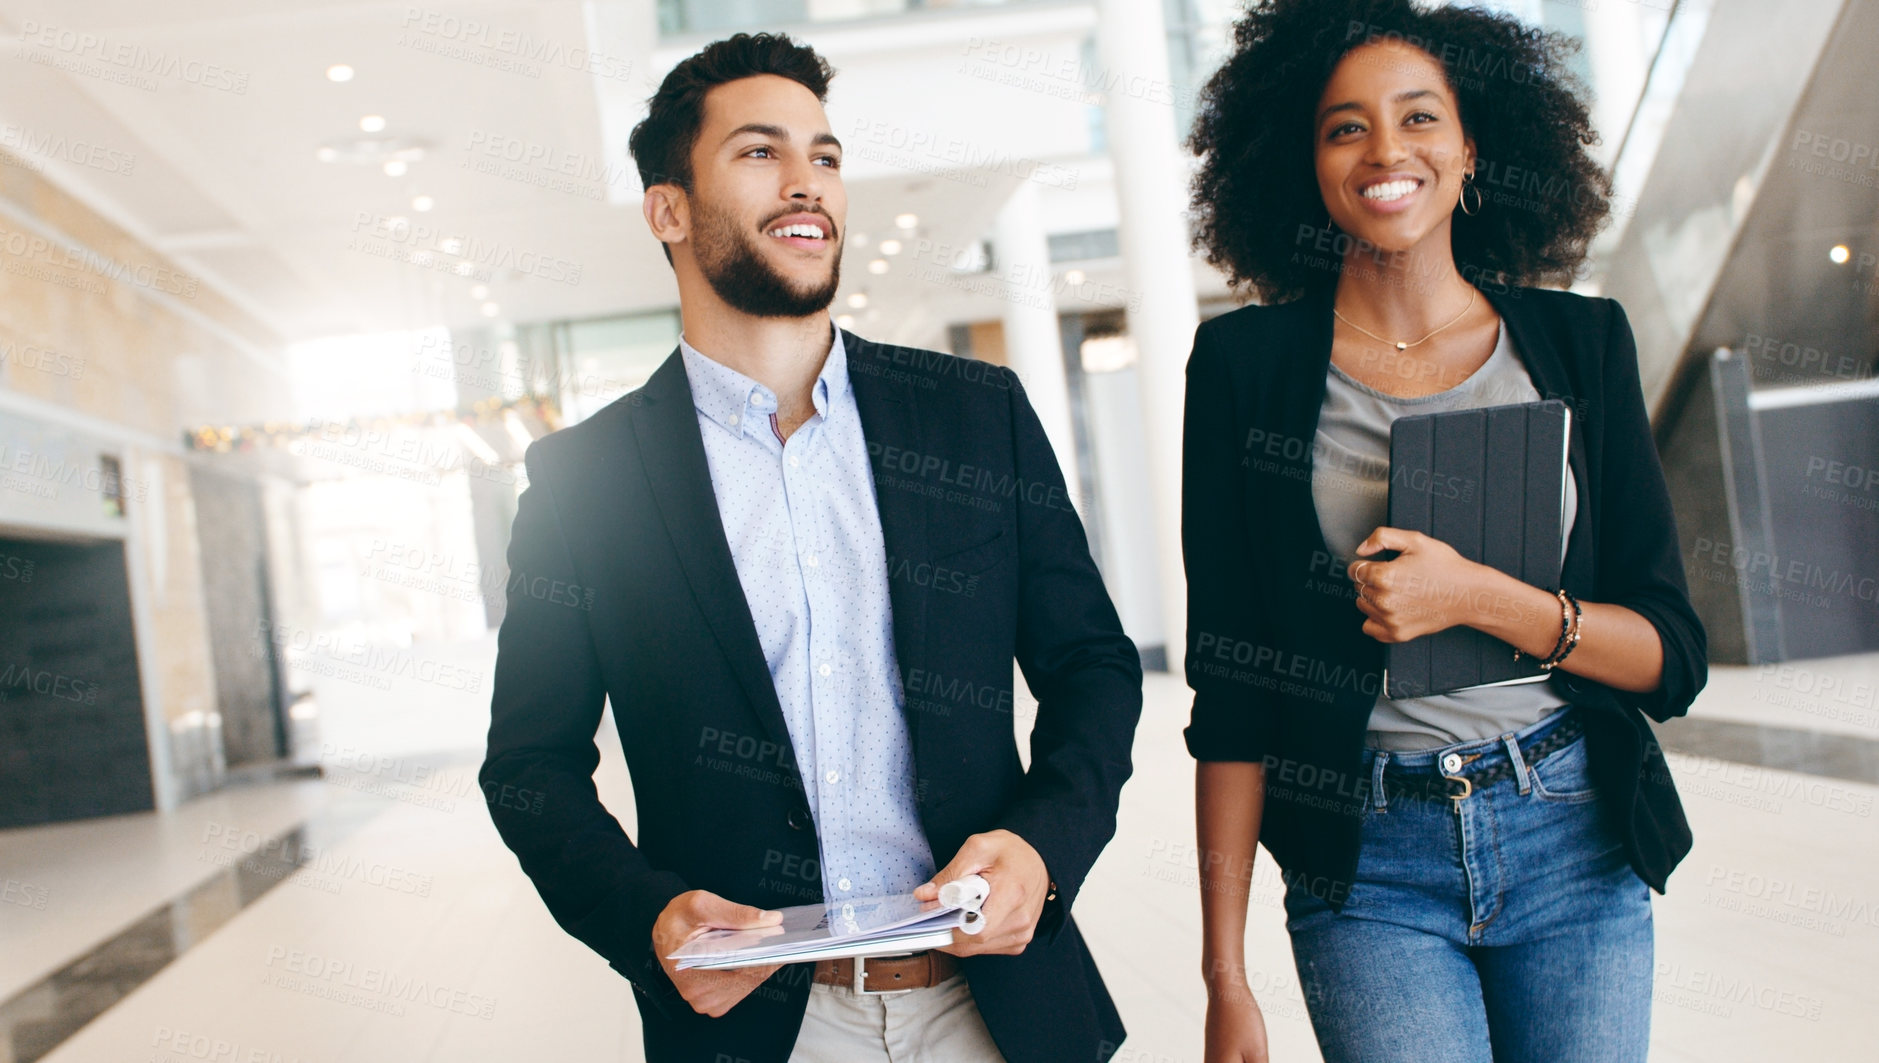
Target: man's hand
column 1019, row 883
column 692, row 913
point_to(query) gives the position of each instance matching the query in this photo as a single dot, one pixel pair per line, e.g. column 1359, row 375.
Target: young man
column 803, row 564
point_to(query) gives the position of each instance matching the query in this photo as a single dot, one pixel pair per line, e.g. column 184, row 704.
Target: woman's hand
column 1236, row 1030
column 1427, row 588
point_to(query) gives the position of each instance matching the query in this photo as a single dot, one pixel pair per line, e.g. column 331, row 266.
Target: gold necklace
column 1399, row 344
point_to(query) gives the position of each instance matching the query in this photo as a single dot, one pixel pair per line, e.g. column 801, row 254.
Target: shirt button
column 810, row 561
column 833, row 776
column 793, row 462
column 1451, row 763
column 824, row 670
column 843, row 883
column 734, row 419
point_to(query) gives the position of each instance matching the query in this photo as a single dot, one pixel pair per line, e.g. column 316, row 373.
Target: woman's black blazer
column 1282, row 672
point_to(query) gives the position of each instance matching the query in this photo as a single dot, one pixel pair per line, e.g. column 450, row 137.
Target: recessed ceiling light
column 339, row 72
column 1073, row 277
column 326, row 154
column 372, row 123
column 858, row 239
column 906, row 221
column 1840, row 253
column 422, row 203
column 395, row 168
column 481, row 291
column 878, row 266
column 858, row 300
column 845, row 321
column 890, row 247
column 491, row 309
column 451, row 245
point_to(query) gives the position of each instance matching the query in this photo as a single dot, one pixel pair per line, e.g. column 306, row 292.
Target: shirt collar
column 736, row 401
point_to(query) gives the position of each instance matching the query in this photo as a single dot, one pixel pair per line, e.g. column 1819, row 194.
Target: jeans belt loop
column 1380, row 796
column 1520, row 764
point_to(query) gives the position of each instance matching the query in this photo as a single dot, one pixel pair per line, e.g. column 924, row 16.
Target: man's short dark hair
column 662, row 144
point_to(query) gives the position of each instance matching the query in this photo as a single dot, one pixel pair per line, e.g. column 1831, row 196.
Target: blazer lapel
column 891, row 418
column 673, row 455
column 1306, row 370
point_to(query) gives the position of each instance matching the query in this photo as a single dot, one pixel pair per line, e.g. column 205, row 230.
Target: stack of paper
column 876, row 926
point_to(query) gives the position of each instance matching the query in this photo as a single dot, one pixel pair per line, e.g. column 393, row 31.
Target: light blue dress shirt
column 805, row 536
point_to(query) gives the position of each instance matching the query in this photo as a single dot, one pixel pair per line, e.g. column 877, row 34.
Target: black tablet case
column 1491, row 483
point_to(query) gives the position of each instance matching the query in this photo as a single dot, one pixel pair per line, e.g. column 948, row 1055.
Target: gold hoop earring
column 1467, row 186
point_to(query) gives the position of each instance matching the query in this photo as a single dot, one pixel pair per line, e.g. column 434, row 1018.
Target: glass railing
column 1636, row 150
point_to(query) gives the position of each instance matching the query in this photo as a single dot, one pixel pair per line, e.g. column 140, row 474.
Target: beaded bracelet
column 1565, row 630
column 1572, row 641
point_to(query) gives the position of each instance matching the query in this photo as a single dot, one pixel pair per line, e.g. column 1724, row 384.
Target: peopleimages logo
column 128, row 59
column 25, row 141
column 432, row 30
column 25, row 679
column 1777, row 569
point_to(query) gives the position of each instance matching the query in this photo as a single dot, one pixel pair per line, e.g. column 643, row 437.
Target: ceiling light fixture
column 395, row 168
column 906, row 221
column 859, row 300
column 890, row 247
column 1840, row 253
column 491, row 309
column 372, row 123
column 339, row 72
column 374, row 151
column 878, row 266
column 422, row 203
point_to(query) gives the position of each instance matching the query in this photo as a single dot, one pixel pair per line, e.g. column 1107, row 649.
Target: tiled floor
column 415, row 937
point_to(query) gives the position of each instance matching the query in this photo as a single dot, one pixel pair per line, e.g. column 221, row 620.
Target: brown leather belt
column 888, row 974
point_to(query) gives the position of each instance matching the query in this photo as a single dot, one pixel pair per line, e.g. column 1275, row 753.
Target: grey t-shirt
column 1350, row 486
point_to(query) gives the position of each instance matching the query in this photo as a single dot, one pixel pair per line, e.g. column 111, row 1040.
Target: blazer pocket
column 972, row 560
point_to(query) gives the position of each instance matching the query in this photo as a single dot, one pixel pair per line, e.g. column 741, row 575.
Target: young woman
column 1467, row 874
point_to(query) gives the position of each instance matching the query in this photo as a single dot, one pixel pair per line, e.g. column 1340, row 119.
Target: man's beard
column 731, row 263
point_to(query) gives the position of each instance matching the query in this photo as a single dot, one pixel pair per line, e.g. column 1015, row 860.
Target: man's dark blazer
column 622, row 589
column 1282, row 671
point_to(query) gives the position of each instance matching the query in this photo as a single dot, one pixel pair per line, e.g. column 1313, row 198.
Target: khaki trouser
column 938, row 1024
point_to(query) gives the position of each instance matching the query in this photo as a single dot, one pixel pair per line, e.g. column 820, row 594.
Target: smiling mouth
column 1391, row 191
column 799, row 231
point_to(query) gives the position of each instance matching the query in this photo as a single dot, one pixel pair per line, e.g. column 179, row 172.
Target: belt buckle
column 860, row 985
column 1467, row 789
column 1451, row 770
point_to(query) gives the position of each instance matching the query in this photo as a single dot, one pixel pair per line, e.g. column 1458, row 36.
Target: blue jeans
column 1505, row 928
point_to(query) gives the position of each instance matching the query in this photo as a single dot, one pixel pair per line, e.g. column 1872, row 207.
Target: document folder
column 874, row 926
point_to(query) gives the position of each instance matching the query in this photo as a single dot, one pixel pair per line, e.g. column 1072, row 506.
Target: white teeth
column 810, row 231
column 1391, row 190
